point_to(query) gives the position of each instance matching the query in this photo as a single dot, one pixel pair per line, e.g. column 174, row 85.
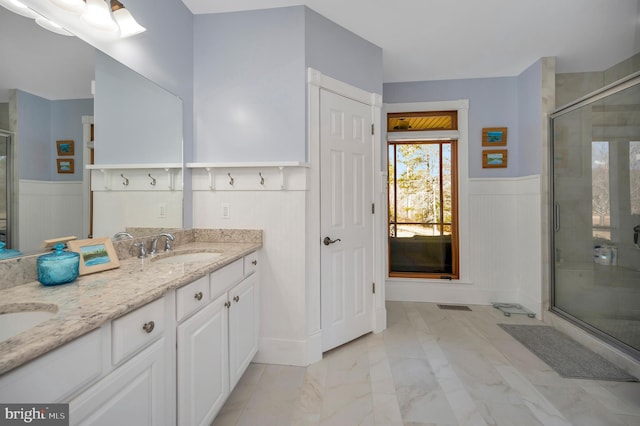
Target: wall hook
column 230, row 179
column 125, row 181
column 153, row 180
column 261, row 178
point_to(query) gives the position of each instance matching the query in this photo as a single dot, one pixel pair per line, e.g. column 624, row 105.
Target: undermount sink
column 16, row 319
column 189, row 258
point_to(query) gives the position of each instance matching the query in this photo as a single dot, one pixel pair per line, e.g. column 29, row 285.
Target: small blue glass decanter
column 59, row 267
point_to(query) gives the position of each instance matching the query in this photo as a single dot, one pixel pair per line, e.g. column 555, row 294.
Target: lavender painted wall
column 163, row 54
column 34, row 140
column 341, row 54
column 249, row 86
column 530, row 118
column 493, row 102
column 136, row 120
column 250, row 79
column 41, row 123
column 66, row 124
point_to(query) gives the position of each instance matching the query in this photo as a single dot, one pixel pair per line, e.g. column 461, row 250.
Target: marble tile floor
column 429, row 367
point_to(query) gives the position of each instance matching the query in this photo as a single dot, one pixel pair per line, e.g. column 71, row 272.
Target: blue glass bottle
column 59, row 267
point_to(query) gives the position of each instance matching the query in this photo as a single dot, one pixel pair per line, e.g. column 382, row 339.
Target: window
column 600, row 198
column 422, row 193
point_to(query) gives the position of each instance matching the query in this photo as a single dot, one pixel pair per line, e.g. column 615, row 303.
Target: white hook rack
column 153, row 180
column 271, row 176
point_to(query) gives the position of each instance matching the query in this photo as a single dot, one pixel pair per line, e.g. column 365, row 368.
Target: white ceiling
column 451, row 39
column 421, row 39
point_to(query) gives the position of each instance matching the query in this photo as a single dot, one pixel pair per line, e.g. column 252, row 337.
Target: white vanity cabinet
column 243, row 327
column 138, row 390
column 217, row 343
column 203, row 360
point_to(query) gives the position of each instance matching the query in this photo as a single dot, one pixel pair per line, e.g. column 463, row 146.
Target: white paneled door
column 346, row 197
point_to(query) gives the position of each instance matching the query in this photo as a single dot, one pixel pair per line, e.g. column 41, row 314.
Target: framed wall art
column 494, row 158
column 96, row 254
column 65, row 165
column 65, row 148
column 494, row 136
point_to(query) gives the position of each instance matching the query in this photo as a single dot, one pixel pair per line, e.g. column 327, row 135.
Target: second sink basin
column 189, row 258
column 19, row 319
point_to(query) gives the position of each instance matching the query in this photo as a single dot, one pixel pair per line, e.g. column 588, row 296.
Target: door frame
column 315, row 82
column 87, row 146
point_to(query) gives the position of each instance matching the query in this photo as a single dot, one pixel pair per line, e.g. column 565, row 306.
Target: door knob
column 328, row 241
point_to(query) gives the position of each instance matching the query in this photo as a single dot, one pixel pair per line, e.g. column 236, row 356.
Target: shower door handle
column 556, row 217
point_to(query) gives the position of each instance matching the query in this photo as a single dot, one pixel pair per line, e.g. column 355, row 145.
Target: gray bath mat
column 566, row 356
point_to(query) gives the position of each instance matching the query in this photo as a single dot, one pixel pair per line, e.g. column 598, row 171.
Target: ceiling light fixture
column 104, row 15
column 126, row 21
column 98, row 16
column 52, row 26
column 75, row 6
column 21, row 9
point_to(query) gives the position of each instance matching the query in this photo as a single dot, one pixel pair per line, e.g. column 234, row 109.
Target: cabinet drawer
column 222, row 279
column 136, row 329
column 192, row 297
column 250, row 263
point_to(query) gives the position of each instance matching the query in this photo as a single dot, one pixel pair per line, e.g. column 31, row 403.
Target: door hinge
column 372, row 129
column 373, row 208
column 373, row 287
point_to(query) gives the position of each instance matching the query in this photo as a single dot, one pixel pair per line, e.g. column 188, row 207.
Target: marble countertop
column 93, row 300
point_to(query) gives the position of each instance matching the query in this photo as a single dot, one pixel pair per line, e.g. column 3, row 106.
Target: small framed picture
column 65, row 148
column 494, row 158
column 65, row 165
column 494, row 136
column 96, row 254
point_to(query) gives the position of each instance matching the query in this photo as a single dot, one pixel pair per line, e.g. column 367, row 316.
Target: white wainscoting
column 505, row 262
column 48, row 210
column 281, row 216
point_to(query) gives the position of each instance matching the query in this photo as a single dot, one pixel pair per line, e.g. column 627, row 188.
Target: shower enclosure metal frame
column 11, row 179
column 611, row 89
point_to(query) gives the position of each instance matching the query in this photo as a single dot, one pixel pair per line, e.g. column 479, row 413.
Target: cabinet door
column 133, row 394
column 243, row 326
column 203, row 364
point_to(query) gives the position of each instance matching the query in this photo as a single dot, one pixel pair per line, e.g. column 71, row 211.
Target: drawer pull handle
column 198, row 295
column 227, row 304
column 254, row 262
column 236, row 299
column 149, row 326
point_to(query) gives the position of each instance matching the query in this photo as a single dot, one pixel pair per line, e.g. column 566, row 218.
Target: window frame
column 455, row 176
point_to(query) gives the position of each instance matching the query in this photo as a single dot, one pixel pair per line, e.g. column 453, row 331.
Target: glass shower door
column 596, row 198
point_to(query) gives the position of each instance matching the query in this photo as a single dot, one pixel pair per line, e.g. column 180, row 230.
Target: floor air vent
column 455, row 307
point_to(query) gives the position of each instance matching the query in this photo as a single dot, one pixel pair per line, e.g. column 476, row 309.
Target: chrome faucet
column 122, row 235
column 143, row 250
column 167, row 247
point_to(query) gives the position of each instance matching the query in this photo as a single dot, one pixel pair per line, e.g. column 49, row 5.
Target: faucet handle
column 143, row 250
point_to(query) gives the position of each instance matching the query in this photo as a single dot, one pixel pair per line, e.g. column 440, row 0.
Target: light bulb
column 98, row 16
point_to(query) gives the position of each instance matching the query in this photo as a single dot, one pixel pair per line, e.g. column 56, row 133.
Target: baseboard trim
column 300, row 353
